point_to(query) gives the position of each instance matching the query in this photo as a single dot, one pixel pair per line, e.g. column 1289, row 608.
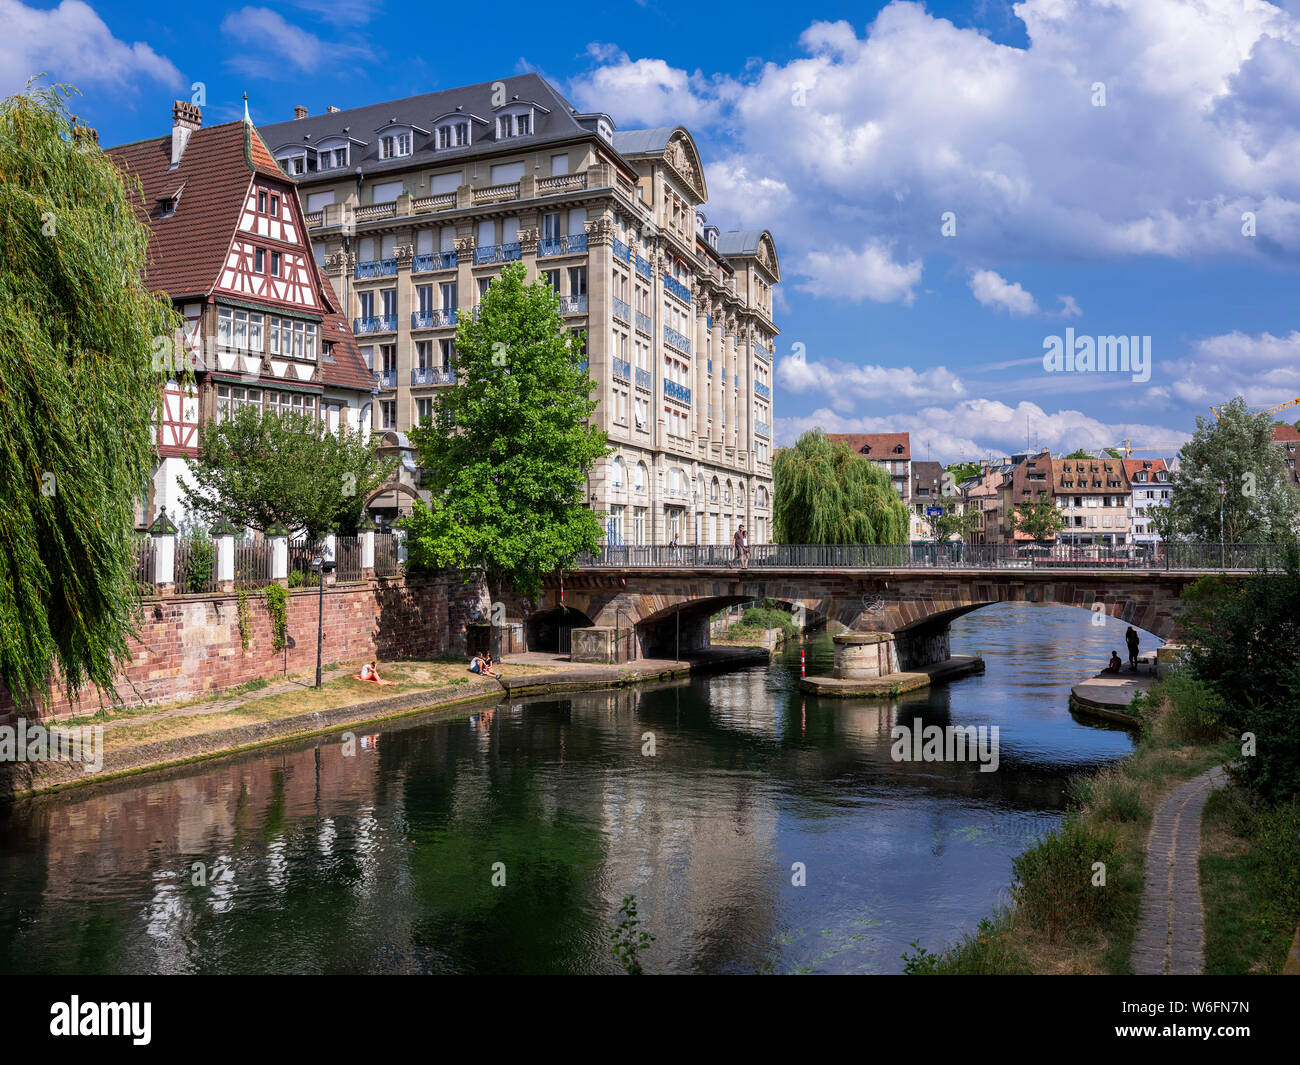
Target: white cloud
column 1262, row 367
column 975, row 428
column 271, row 47
column 71, row 43
column 870, row 274
column 991, row 289
column 846, row 381
column 880, row 132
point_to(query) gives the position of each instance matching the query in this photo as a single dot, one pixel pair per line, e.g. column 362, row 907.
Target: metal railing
column 496, row 253
column 622, row 252
column 386, row 379
column 643, row 267
column 1185, row 558
column 677, row 288
column 761, row 389
column 433, row 319
column 565, row 245
column 573, row 304
column 439, row 260
column 643, row 379
column 433, row 375
column 302, row 550
column 622, row 311
column 375, row 323
column 644, row 323
column 676, row 339
column 375, row 268
column 675, row 391
column 622, row 369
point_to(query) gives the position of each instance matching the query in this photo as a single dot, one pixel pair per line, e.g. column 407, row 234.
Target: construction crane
column 1261, row 410
column 1128, row 447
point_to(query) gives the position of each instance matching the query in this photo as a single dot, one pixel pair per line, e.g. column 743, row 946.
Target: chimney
column 331, row 110
column 299, row 112
column 186, row 118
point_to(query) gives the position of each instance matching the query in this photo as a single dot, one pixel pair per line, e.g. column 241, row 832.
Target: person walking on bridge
column 1131, row 637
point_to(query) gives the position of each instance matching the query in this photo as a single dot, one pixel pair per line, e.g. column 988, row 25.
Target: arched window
column 713, row 490
column 641, row 476
column 616, row 472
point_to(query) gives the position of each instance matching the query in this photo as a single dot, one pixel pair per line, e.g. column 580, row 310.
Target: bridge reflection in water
column 382, row 860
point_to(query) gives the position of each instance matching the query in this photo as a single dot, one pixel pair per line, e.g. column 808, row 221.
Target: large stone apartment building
column 414, row 205
column 1094, row 498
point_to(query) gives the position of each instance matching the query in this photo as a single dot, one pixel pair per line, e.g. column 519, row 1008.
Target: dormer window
column 603, row 129
column 332, row 157
column 395, row 145
column 515, row 121
column 293, row 164
column 453, row 134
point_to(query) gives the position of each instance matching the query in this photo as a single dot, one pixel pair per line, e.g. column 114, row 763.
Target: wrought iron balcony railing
column 438, row 260
column 433, row 319
column 622, row 311
column 677, row 288
column 434, row 375
column 675, row 391
column 568, row 245
column 622, row 370
column 377, row 323
column 676, row 340
column 496, row 253
column 573, row 304
column 375, row 268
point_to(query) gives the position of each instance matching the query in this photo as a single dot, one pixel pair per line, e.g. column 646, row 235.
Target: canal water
column 767, row 832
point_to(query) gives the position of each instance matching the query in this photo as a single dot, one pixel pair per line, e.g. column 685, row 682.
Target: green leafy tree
column 510, row 445
column 1241, row 640
column 1038, row 518
column 1260, row 505
column 269, row 470
column 1080, row 454
column 77, row 393
column 962, row 470
column 953, row 521
column 825, row 493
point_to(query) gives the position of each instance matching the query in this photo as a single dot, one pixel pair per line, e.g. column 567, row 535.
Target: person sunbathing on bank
column 483, row 666
column 1116, row 664
column 370, row 671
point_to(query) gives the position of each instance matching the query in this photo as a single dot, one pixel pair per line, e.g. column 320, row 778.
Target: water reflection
column 387, row 855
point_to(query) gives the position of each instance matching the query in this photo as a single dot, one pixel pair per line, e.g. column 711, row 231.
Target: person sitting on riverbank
column 1116, row 663
column 483, row 666
column 370, row 672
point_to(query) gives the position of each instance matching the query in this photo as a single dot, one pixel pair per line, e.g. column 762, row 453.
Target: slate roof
column 559, row 122
column 644, row 141
column 740, row 241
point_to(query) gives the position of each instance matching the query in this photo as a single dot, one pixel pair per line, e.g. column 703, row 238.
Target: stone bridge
column 654, row 611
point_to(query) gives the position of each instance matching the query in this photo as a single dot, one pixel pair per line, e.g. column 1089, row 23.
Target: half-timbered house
column 262, row 327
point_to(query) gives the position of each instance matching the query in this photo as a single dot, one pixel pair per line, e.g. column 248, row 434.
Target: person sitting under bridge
column 1116, row 663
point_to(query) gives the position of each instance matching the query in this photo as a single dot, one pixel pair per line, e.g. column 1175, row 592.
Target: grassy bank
column 1071, row 915
column 756, row 620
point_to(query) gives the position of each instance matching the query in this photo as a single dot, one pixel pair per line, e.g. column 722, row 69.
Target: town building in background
column 262, row 328
column 1094, row 498
column 1149, row 480
column 1287, row 437
column 414, row 206
column 925, row 489
column 892, row 452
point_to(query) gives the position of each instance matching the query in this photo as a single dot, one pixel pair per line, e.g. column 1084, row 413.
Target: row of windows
column 232, row 398
column 251, row 331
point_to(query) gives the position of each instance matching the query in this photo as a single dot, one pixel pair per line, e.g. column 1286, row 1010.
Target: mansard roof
column 751, row 244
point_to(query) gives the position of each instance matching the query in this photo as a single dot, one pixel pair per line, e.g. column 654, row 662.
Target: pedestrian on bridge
column 742, row 547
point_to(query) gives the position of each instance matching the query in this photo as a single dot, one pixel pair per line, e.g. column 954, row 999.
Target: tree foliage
column 1038, row 518
column 1260, row 505
column 953, row 520
column 960, row 471
column 77, row 394
column 826, row 494
column 1241, row 641
column 264, row 470
column 510, row 445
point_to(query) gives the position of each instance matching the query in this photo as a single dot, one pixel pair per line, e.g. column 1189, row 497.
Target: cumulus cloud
column 72, row 43
column 272, row 47
column 975, row 428
column 871, row 273
column 1260, row 366
column 883, row 130
column 847, row 381
column 991, row 289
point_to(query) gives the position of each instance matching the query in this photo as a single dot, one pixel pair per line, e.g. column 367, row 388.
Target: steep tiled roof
column 879, row 445
column 1286, row 434
column 187, row 249
column 1084, row 481
column 1151, row 466
column 348, row 370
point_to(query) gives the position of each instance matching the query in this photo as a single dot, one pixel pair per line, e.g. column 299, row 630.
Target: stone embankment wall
column 190, row 645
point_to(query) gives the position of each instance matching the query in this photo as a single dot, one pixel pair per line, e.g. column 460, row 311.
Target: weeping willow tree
column 827, row 494
column 77, row 393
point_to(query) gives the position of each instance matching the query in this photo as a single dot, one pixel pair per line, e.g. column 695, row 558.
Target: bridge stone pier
column 652, row 608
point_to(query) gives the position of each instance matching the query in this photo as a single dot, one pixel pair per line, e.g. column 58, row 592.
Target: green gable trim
column 266, row 384
column 261, row 308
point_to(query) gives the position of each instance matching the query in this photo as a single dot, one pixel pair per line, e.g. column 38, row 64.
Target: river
column 767, row 832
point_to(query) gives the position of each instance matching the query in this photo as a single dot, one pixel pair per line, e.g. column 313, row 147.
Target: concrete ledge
column 894, row 683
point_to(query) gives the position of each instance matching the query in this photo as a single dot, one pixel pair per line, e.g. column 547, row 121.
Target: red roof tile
column 880, row 445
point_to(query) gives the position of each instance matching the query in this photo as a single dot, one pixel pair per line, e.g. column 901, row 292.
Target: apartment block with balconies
column 414, row 205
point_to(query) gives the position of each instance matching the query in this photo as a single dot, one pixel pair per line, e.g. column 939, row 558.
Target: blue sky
column 1113, row 167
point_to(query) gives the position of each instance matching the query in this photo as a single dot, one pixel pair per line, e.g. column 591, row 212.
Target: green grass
column 1250, row 882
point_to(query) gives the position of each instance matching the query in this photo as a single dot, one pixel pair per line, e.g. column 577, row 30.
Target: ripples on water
column 314, row 861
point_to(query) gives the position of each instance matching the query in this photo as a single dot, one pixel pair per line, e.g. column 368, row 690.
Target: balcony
column 573, row 244
column 676, row 340
column 622, row 252
column 434, row 375
column 644, row 324
column 439, row 260
column 622, row 311
column 643, row 267
column 763, row 353
column 622, row 370
column 386, row 379
column 375, row 323
column 643, row 379
column 496, row 253
column 573, row 304
column 375, row 268
column 761, row 389
column 678, row 392
column 433, row 319
column 677, row 288
column 762, row 429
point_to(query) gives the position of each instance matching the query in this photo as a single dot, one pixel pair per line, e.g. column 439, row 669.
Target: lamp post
column 320, row 566
column 1223, row 491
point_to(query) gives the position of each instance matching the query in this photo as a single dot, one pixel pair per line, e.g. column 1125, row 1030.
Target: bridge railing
column 1209, row 558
